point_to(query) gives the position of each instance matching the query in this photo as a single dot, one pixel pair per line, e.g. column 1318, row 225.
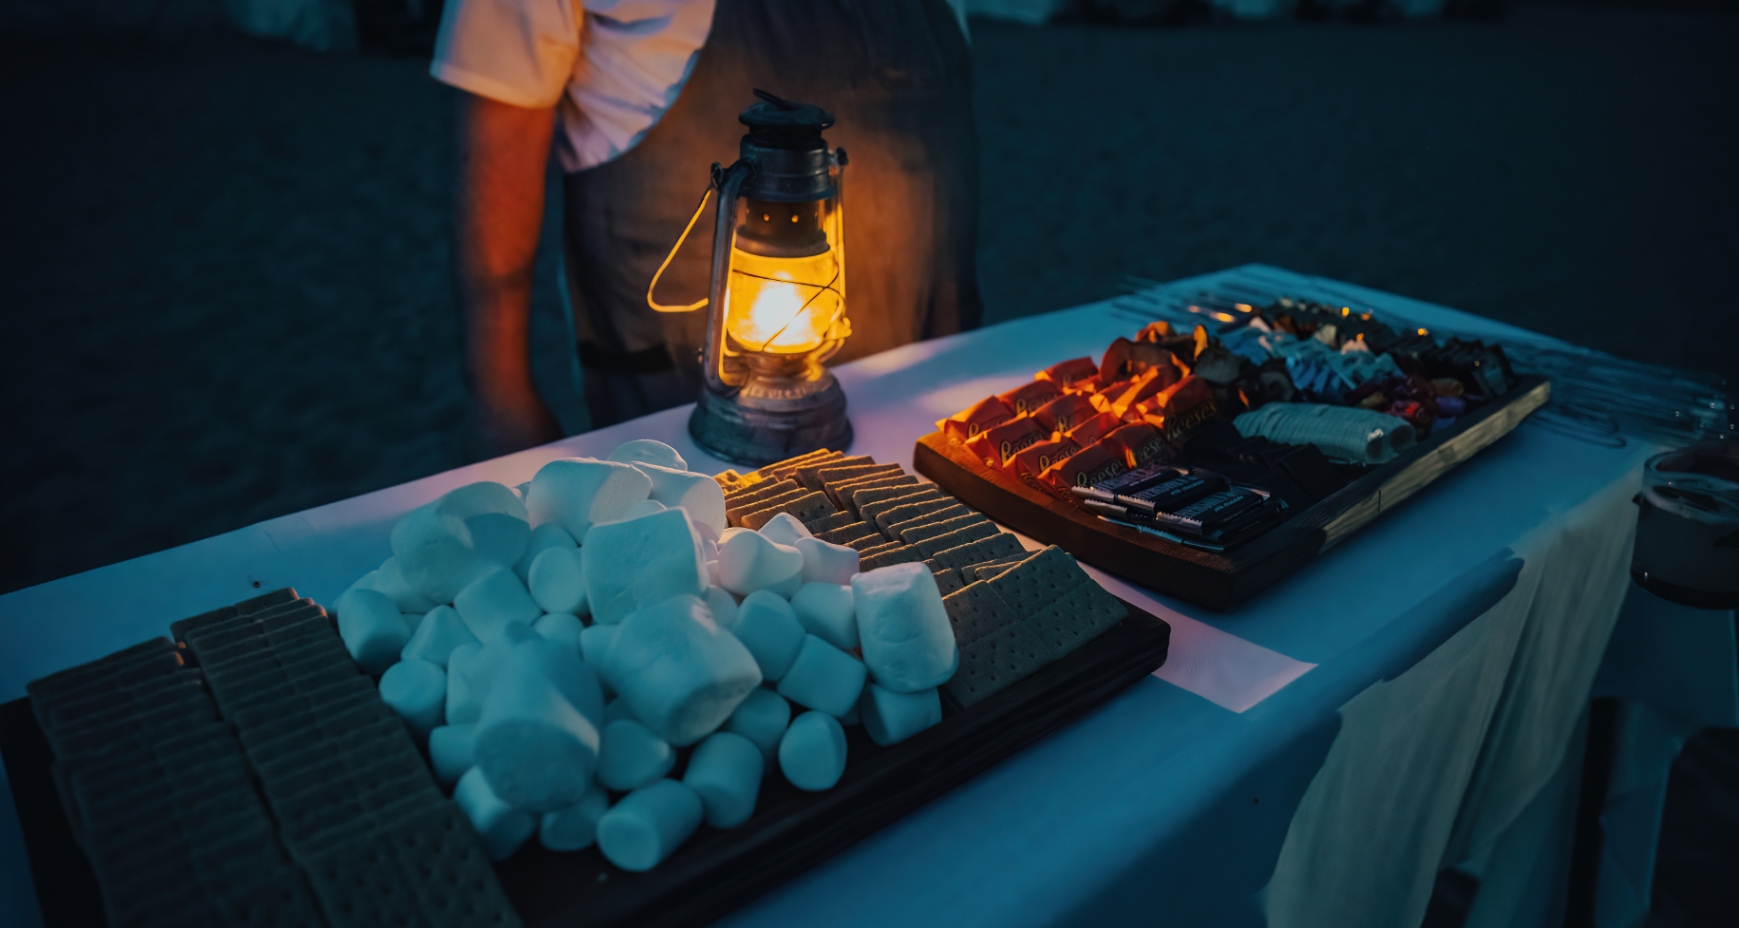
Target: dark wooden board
column 1222, row 580
column 715, row 871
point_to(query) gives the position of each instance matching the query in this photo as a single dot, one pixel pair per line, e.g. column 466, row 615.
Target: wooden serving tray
column 1222, row 580
column 715, row 871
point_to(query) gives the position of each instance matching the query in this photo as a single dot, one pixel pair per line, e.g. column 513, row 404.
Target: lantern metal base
column 763, row 423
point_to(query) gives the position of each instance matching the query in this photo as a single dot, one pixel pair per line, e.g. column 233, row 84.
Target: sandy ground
column 225, row 283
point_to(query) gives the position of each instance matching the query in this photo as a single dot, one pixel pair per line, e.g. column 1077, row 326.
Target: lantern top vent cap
column 777, row 117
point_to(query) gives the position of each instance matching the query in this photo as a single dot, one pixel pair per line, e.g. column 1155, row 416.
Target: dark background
column 224, row 290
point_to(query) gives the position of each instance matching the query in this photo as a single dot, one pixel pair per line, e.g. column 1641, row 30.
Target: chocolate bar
column 1212, row 514
column 1174, row 494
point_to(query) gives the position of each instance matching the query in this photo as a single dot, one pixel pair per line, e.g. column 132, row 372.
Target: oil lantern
column 777, row 307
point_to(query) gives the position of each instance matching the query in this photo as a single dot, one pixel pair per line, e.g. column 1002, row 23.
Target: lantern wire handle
column 660, row 307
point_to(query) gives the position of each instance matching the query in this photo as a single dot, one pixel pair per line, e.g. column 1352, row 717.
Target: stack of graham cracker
column 1013, row 612
column 267, row 785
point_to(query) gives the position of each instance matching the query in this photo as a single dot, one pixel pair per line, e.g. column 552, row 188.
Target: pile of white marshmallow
column 506, row 616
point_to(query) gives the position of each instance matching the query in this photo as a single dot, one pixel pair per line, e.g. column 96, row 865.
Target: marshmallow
column 678, row 670
column 492, row 602
column 823, row 678
column 645, row 507
column 712, row 569
column 824, row 562
column 563, row 628
column 390, row 581
column 812, row 753
column 785, row 529
column 697, row 494
column 501, row 828
column 544, row 537
column 470, row 671
column 890, row 717
column 578, row 493
column 852, row 716
column 446, row 544
column 452, row 751
column 631, row 756
column 436, row 636
column 748, row 561
column 365, row 582
column 648, row 451
column 417, row 691
column 595, row 644
column 907, row 640
column 648, row 824
column 825, row 609
column 575, row 827
column 762, row 718
column 413, row 621
column 536, row 748
column 768, row 627
column 725, row 771
column 631, row 565
column 573, row 677
column 556, row 581
column 373, row 631
column 722, row 605
column 617, row 709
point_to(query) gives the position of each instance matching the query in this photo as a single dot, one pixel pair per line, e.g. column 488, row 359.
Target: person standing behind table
column 639, row 98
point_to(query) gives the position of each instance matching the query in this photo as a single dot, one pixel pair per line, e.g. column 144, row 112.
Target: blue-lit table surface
column 1404, row 704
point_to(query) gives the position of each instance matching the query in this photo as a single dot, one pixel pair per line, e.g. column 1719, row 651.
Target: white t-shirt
column 611, row 67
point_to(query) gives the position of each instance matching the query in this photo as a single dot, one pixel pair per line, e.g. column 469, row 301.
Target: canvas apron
column 896, row 74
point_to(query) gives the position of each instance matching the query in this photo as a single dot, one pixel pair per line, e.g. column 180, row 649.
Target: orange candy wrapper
column 1030, row 396
column 1065, row 412
column 1154, row 331
column 1088, row 433
column 1082, row 469
column 1182, row 408
column 965, row 425
column 1030, row 464
column 1140, row 442
column 1067, row 373
column 997, row 445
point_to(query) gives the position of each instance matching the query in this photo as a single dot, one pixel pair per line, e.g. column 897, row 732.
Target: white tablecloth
column 1395, row 708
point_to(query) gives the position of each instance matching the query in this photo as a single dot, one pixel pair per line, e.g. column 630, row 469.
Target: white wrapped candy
column 578, row 493
column 768, row 627
column 678, row 670
column 443, row 546
column 785, row 529
column 500, row 827
column 390, row 581
column 762, row 718
column 749, row 562
column 632, row 756
column 725, row 771
column 493, row 601
column 903, row 628
column 575, row 827
column 417, row 691
column 648, row 825
column 544, row 537
column 890, row 717
column 823, row 678
column 436, row 636
column 451, row 751
column 373, row 631
column 648, row 451
column 697, row 494
column 633, row 564
column 812, row 753
column 556, row 581
column 537, row 749
column 563, row 628
column 824, row 562
column 825, row 609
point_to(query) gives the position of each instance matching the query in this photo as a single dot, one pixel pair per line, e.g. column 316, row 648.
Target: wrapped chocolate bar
column 1031, row 463
column 1087, row 467
column 1145, row 386
column 1216, row 515
column 1088, row 433
column 997, row 445
column 1141, row 443
column 1154, row 331
column 1126, row 360
column 1129, row 482
column 1065, row 412
column 1181, row 409
column 1030, row 396
column 1067, row 373
column 1173, row 494
column 965, row 425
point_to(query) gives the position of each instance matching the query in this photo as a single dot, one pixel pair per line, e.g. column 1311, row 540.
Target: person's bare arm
column 499, row 212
